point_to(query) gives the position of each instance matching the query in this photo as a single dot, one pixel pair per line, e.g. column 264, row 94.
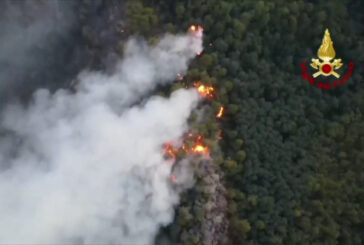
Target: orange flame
column 198, row 145
column 196, row 28
column 204, row 90
column 199, row 148
column 170, row 151
column 197, row 32
column 220, row 113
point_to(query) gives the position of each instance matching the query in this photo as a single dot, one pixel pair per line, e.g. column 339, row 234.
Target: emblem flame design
column 326, row 50
column 326, row 53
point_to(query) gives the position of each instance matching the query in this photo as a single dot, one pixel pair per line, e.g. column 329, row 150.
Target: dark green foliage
column 140, row 19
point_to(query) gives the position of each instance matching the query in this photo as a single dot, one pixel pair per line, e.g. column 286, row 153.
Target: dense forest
column 289, row 168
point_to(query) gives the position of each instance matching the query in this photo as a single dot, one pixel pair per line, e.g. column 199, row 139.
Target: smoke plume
column 35, row 36
column 87, row 167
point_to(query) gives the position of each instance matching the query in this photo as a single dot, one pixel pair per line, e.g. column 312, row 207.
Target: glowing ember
column 198, row 145
column 196, row 30
column 220, row 113
column 196, row 34
column 170, row 151
column 200, row 149
column 204, row 90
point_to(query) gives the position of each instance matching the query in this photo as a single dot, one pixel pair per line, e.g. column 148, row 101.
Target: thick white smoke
column 30, row 31
column 88, row 167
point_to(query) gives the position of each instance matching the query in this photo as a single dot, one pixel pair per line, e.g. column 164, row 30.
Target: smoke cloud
column 32, row 33
column 87, row 167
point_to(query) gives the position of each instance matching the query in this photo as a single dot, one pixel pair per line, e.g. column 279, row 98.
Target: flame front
column 201, row 149
column 198, row 146
column 204, row 90
column 196, row 28
column 196, row 31
column 220, row 113
column 192, row 144
column 169, row 151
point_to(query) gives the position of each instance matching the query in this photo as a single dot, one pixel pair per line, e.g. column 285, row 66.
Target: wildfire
column 201, row 149
column 193, row 144
column 198, row 146
column 196, row 28
column 220, row 113
column 204, row 90
column 170, row 151
column 196, row 34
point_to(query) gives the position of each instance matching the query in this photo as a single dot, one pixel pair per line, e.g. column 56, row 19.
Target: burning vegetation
column 204, row 90
column 192, row 144
column 196, row 29
column 220, row 113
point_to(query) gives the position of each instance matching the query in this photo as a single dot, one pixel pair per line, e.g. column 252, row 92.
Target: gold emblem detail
column 326, row 53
